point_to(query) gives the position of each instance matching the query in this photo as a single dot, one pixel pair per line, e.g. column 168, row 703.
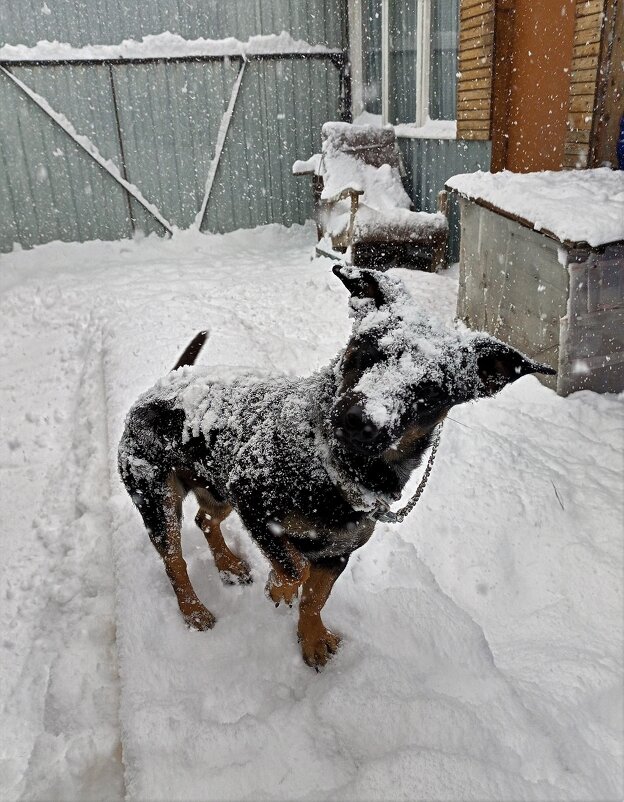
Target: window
column 404, row 56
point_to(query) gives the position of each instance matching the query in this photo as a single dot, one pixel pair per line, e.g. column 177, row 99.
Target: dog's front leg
column 289, row 567
column 318, row 644
column 290, row 570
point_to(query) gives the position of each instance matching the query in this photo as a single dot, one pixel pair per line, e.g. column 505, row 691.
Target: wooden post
column 609, row 98
column 504, row 22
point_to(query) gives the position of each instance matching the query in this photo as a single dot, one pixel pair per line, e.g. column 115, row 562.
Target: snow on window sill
column 432, row 129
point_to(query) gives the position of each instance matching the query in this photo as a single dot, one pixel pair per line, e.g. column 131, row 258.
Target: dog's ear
column 361, row 283
column 499, row 364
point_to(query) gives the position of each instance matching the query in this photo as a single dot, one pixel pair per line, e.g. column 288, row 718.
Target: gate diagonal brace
column 89, row 148
column 224, row 127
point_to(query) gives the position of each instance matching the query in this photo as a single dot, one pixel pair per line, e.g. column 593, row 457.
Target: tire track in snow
column 40, row 370
column 77, row 756
column 63, row 699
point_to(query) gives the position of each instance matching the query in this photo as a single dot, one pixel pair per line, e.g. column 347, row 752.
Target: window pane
column 371, row 55
column 402, row 78
column 443, row 78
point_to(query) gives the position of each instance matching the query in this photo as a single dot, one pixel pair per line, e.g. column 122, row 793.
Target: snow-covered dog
column 304, row 461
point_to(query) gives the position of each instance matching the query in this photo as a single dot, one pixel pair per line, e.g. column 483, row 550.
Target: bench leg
column 439, row 260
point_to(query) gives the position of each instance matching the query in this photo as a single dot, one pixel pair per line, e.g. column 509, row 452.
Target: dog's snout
column 357, row 423
column 355, row 427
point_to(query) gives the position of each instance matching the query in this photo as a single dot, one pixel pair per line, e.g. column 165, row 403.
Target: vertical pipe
column 423, row 51
column 355, row 56
column 385, row 61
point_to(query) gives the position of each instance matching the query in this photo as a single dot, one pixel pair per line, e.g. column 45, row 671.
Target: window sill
column 432, row 129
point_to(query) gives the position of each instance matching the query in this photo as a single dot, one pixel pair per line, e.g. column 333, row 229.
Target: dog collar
column 382, row 512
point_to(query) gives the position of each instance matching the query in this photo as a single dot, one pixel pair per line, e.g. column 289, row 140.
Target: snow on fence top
column 164, row 45
column 573, row 205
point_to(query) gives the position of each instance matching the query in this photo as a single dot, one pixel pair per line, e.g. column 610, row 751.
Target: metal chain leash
column 382, row 511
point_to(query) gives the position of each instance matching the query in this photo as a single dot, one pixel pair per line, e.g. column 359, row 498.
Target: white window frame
column 423, row 56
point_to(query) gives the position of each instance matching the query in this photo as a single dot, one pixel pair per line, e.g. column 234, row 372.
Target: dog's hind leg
column 318, row 644
column 209, row 517
column 162, row 513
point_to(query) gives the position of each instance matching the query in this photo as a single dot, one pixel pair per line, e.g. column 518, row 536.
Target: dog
column 305, row 462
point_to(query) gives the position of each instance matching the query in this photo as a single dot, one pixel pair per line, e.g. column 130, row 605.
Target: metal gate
column 100, row 148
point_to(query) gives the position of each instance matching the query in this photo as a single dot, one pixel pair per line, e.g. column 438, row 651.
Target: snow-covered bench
column 361, row 206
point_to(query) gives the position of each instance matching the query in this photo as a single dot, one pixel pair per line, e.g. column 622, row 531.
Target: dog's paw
column 319, row 647
column 279, row 590
column 199, row 618
column 239, row 574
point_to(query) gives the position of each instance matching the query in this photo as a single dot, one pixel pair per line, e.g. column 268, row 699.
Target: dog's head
column 404, row 371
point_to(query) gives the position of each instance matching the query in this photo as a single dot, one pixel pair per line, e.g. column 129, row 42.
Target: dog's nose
column 356, row 427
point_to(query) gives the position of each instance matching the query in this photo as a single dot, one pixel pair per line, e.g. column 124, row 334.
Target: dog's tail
column 192, row 350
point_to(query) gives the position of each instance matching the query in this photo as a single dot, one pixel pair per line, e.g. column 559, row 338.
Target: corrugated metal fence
column 429, row 163
column 158, row 120
column 84, row 22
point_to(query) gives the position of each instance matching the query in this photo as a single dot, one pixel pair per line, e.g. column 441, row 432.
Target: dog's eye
column 431, row 401
column 360, row 357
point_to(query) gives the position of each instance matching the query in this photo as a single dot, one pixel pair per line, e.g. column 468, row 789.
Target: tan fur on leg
column 318, row 644
column 283, row 588
column 231, row 567
column 196, row 615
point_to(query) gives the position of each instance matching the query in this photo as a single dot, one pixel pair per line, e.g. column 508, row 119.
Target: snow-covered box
column 542, row 268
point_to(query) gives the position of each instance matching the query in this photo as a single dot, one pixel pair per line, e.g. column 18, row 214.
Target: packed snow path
column 482, row 651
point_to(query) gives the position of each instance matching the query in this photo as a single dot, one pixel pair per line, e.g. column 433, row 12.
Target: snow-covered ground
column 482, row 651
